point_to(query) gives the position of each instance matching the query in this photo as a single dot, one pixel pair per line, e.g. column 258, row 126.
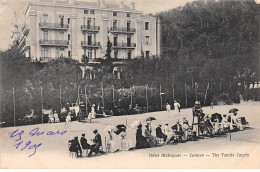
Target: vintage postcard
column 133, row 84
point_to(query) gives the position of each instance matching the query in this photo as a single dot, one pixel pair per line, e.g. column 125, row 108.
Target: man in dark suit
column 159, row 133
column 84, row 143
column 97, row 143
column 75, row 147
column 177, row 128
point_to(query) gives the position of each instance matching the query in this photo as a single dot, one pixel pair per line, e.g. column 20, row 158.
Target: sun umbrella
column 120, row 128
column 110, row 128
column 150, row 119
column 216, row 116
column 135, row 124
column 233, row 110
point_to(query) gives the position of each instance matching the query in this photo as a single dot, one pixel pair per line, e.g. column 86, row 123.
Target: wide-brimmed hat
column 197, row 103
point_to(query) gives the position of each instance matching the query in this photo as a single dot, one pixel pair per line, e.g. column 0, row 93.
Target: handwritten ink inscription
column 22, row 145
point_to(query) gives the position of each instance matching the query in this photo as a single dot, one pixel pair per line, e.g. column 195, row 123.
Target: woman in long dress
column 185, row 128
column 111, row 142
column 126, row 142
column 176, row 107
column 148, row 134
column 141, row 141
column 168, row 132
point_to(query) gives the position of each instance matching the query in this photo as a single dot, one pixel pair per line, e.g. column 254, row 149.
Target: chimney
column 132, row 6
column 122, row 4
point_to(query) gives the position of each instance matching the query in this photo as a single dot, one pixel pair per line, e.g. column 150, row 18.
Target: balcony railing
column 90, row 44
column 59, row 43
column 122, row 30
column 55, row 26
column 124, row 45
column 90, row 28
column 49, row 59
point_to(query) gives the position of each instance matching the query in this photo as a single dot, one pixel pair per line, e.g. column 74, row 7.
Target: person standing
column 68, row 121
column 93, row 112
column 176, row 107
column 168, row 109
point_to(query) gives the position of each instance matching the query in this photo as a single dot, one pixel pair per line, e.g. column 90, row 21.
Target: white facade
column 75, row 28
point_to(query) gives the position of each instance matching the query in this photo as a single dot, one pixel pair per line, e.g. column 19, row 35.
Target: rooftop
column 87, row 4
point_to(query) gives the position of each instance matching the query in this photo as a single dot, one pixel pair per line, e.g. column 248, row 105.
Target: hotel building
column 73, row 29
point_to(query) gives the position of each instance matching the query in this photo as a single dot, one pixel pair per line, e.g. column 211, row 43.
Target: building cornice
column 81, row 7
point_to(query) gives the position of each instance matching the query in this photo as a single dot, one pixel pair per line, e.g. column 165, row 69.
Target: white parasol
column 135, row 124
column 110, row 128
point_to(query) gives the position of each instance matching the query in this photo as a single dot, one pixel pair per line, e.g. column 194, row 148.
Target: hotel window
column 45, row 35
column 128, row 25
column 88, row 23
column 114, row 23
column 90, row 53
column 68, row 53
column 147, row 40
column 95, row 53
column 68, row 20
column 85, row 11
column 45, row 18
column 128, row 15
column 45, row 52
column 61, row 21
column 68, row 37
column 114, row 13
column 129, row 54
column 115, row 40
column 146, row 25
column 62, row 52
column 61, row 35
column 116, row 54
column 147, row 53
column 92, row 12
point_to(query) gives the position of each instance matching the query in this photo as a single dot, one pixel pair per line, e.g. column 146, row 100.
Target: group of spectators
column 139, row 136
column 53, row 117
column 77, row 147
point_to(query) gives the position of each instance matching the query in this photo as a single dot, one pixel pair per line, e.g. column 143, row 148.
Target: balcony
column 53, row 26
column 124, row 46
column 89, row 28
column 124, row 30
column 46, row 59
column 86, row 44
column 57, row 43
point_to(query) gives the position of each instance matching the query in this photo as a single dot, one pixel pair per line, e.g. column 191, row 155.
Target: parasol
column 135, row 124
column 150, row 119
column 110, row 128
column 120, row 128
column 216, row 116
column 233, row 110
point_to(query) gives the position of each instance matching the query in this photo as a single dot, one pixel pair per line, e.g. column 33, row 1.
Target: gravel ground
column 243, row 151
